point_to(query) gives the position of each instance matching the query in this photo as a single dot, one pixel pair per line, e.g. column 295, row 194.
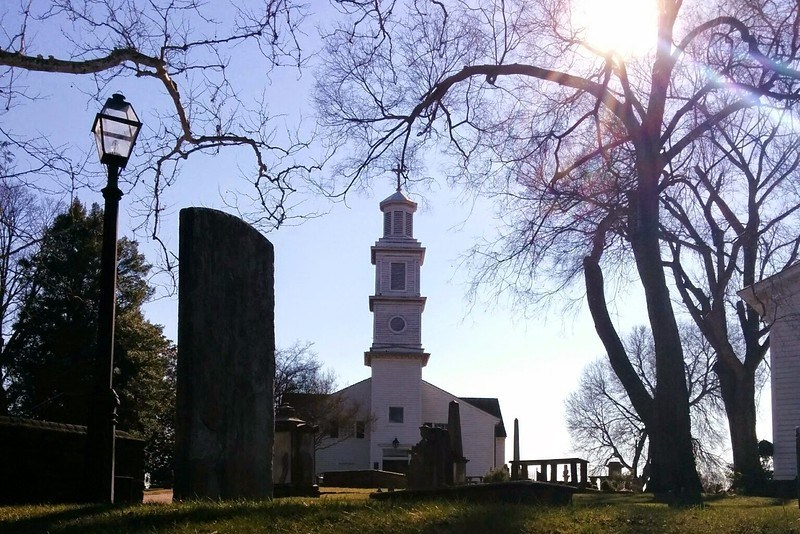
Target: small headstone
column 226, row 359
column 614, row 469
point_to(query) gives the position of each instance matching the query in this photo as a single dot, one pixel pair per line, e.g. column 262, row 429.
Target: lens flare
column 625, row 28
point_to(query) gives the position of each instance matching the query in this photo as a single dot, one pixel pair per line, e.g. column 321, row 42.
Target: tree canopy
column 51, row 352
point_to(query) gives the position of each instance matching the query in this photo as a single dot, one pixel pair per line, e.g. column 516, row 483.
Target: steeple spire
column 398, row 170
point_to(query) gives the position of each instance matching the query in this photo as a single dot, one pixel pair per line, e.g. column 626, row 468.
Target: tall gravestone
column 515, row 467
column 226, row 359
column 459, row 474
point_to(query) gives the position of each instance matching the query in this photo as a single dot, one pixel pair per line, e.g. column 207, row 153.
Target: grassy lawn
column 350, row 511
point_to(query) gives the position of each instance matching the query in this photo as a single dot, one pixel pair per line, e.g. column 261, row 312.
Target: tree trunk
column 666, row 418
column 738, row 394
column 598, row 307
column 673, row 466
column 638, row 455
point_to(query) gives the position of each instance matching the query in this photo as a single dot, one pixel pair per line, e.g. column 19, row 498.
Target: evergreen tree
column 54, row 347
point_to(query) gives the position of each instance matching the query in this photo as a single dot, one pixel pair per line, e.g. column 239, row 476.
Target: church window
column 397, row 324
column 360, row 429
column 398, row 276
column 387, row 224
column 409, row 225
column 397, row 223
column 395, row 414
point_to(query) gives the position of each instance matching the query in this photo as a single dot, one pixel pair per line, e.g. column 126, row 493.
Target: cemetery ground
column 347, row 510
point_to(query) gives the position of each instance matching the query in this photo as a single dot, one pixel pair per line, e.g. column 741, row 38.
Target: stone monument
column 431, row 465
column 515, row 466
column 226, row 359
column 459, row 473
column 437, row 461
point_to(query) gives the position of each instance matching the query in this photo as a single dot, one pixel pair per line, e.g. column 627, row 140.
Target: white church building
column 395, row 401
column 777, row 300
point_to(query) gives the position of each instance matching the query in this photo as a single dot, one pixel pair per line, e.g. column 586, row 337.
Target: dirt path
column 165, row 495
column 158, row 495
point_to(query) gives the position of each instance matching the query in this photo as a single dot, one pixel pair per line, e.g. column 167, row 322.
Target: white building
column 395, row 401
column 777, row 300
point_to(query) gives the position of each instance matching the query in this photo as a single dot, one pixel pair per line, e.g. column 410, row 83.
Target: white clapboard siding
column 410, row 311
column 777, row 300
column 350, row 453
column 499, row 452
column 395, row 382
column 785, row 363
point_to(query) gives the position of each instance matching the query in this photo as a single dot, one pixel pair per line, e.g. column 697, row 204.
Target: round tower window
column 397, row 324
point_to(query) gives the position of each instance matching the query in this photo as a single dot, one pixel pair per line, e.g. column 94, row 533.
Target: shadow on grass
column 606, row 499
column 485, row 518
column 42, row 522
column 284, row 516
column 197, row 516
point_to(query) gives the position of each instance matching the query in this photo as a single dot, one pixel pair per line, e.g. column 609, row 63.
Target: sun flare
column 626, row 28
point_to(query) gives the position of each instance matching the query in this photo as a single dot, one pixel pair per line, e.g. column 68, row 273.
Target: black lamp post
column 115, row 128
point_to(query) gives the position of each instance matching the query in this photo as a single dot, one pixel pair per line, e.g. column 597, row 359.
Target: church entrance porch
column 395, row 460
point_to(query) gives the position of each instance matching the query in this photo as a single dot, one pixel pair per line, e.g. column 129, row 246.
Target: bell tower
column 397, row 305
column 396, row 355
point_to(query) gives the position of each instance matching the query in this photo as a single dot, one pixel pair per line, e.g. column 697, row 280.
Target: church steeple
column 397, row 305
column 396, row 355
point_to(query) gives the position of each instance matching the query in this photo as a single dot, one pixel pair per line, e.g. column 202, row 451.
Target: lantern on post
column 115, row 128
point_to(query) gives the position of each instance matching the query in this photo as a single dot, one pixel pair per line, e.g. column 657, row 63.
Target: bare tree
column 579, row 143
column 23, row 219
column 336, row 416
column 734, row 224
column 302, row 382
column 298, row 370
column 604, row 425
column 189, row 52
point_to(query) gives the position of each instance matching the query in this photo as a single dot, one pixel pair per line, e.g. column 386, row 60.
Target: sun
column 626, row 28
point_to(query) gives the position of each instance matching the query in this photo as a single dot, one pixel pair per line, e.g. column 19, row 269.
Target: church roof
column 782, row 283
column 398, row 197
column 492, row 407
